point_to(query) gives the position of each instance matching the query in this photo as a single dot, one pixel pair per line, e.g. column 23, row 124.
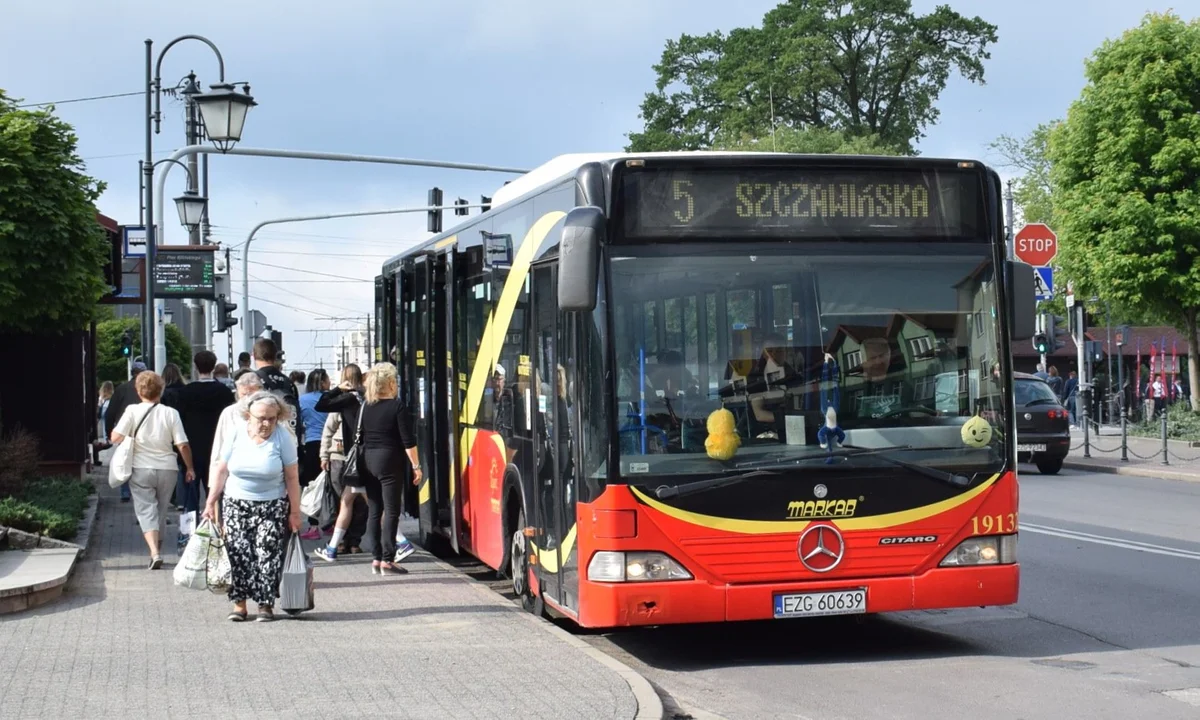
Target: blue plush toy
column 830, row 434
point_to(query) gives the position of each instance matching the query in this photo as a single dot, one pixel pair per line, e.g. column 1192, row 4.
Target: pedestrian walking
column 159, row 432
column 124, row 397
column 102, row 402
column 387, row 438
column 1055, row 382
column 266, row 356
column 231, row 418
column 221, row 374
column 257, row 488
column 316, row 384
column 1070, row 392
column 343, row 405
column 200, row 405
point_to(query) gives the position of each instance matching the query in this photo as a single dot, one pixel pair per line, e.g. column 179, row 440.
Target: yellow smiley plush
column 723, row 441
column 977, row 432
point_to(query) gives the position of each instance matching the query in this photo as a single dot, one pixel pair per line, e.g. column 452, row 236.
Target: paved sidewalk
column 1145, row 456
column 125, row 642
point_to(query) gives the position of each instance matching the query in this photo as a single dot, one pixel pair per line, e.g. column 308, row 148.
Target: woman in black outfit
column 387, row 437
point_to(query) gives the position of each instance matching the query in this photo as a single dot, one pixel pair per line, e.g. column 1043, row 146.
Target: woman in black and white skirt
column 259, row 479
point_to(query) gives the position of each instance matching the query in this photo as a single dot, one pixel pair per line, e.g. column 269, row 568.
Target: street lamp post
column 227, row 110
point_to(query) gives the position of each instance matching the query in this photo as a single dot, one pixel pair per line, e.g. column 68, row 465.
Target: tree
column 1032, row 192
column 110, row 364
column 861, row 67
column 52, row 249
column 810, row 141
column 1127, row 165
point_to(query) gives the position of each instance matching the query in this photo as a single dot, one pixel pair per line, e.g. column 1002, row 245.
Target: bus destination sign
column 805, row 202
column 182, row 273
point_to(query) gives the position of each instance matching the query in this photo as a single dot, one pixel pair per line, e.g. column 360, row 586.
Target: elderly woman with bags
column 257, row 488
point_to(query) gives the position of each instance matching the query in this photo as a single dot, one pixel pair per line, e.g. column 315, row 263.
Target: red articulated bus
column 698, row 387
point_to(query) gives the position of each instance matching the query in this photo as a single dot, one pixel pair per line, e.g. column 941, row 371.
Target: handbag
column 350, row 473
column 120, row 465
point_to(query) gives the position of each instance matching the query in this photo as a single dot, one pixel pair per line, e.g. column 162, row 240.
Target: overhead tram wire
column 312, row 272
column 302, row 297
column 83, row 99
column 315, row 314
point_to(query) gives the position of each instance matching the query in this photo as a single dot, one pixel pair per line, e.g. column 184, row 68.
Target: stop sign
column 1036, row 244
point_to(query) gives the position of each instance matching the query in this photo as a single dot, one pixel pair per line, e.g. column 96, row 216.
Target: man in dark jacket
column 274, row 380
column 124, row 396
column 200, row 404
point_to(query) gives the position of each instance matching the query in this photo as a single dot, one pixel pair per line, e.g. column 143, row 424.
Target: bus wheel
column 518, row 558
column 518, row 568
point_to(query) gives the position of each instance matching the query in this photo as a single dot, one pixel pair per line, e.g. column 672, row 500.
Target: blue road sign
column 1043, row 283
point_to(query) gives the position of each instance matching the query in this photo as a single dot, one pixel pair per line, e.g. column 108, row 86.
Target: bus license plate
column 838, row 602
column 1039, row 447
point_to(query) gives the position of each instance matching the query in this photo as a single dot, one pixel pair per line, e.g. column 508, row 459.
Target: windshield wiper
column 942, row 476
column 667, row 491
column 774, row 466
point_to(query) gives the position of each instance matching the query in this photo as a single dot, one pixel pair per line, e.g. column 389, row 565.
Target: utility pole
column 1085, row 375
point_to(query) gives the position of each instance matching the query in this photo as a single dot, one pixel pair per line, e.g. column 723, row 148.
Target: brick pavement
column 123, row 641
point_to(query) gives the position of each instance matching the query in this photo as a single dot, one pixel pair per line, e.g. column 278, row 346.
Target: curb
column 649, row 704
column 1135, row 471
column 47, row 591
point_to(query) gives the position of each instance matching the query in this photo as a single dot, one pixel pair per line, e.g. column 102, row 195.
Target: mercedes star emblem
column 821, row 548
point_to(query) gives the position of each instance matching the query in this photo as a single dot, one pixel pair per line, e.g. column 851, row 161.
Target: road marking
column 1111, row 541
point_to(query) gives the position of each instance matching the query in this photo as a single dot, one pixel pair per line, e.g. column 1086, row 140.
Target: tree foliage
column 861, row 67
column 52, row 249
column 818, row 141
column 1127, row 165
column 110, row 363
column 1033, row 194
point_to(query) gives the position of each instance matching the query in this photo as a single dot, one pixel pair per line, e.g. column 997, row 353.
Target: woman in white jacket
column 247, row 385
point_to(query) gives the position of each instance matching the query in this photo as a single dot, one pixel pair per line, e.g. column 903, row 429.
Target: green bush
column 1182, row 424
column 49, row 506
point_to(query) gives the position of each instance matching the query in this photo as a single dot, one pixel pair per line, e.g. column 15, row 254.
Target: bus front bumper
column 699, row 601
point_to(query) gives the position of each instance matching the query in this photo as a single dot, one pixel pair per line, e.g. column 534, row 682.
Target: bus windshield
column 901, row 337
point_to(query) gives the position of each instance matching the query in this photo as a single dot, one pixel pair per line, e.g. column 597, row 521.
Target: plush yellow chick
column 723, row 441
column 976, row 432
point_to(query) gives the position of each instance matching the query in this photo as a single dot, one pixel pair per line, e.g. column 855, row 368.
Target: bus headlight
column 617, row 566
column 987, row 550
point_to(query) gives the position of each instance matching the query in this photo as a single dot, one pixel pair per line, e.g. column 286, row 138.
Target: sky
column 511, row 83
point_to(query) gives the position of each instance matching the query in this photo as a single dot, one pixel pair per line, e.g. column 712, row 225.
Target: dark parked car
column 1043, row 427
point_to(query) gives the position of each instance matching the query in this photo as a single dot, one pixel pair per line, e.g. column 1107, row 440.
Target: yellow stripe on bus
column 550, row 560
column 498, row 322
column 766, row 527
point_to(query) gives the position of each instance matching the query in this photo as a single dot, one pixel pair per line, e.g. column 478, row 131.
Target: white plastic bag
column 192, row 570
column 311, row 499
column 187, row 522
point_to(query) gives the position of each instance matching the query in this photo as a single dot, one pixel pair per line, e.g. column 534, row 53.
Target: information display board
column 184, row 273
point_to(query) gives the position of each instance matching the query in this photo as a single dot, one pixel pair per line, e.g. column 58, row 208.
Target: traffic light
column 434, row 224
column 1094, row 349
column 127, row 343
column 225, row 318
column 460, row 207
column 1041, row 343
column 1056, row 331
column 486, row 202
column 277, row 338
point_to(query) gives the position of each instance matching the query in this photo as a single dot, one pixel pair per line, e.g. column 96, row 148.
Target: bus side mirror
column 579, row 259
column 1022, row 307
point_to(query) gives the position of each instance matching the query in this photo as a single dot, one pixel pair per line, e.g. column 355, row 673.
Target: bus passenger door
column 446, row 415
column 547, row 497
column 418, row 349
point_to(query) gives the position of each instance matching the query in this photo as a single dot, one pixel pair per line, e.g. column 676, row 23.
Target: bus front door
column 550, row 533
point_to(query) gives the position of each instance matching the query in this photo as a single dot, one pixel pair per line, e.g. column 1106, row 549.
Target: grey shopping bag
column 296, row 587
